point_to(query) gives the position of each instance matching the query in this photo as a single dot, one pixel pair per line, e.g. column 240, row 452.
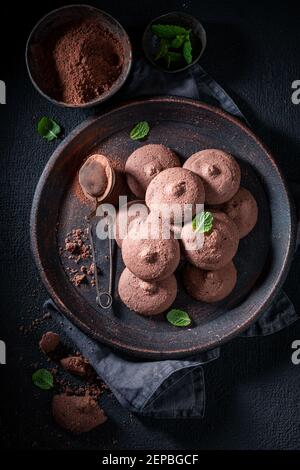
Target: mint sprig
column 203, row 222
column 43, row 379
column 174, row 44
column 167, row 31
column 140, row 130
column 162, row 50
column 187, row 51
column 48, row 128
column 172, row 57
column 178, row 317
column 178, row 41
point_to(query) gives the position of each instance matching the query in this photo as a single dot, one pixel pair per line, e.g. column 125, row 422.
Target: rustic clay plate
column 186, row 126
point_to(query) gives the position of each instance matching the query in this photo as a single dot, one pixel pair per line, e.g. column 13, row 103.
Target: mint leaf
column 187, row 51
column 172, row 57
column 203, row 222
column 163, row 49
column 140, row 130
column 178, row 41
column 178, row 317
column 43, row 379
column 48, row 128
column 168, row 30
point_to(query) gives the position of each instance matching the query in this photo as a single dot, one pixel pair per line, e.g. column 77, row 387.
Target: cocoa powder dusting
column 80, row 64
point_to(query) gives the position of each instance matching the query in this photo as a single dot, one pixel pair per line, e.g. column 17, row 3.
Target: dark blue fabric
column 170, row 388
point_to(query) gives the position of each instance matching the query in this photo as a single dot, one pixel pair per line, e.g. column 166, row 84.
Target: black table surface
column 253, row 399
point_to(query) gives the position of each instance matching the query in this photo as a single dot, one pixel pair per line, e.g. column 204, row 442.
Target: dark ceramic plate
column 186, row 126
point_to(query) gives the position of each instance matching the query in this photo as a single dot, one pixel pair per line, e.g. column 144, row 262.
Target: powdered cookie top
column 209, row 286
column 147, row 254
column 175, row 186
column 242, row 209
column 219, row 247
column 145, row 163
column 127, row 214
column 220, row 173
column 147, row 298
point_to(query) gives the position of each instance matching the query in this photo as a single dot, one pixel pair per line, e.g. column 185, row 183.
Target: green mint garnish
column 203, row 222
column 178, row 317
column 172, row 57
column 48, row 128
column 174, row 44
column 163, row 49
column 168, row 31
column 140, row 130
column 187, row 51
column 178, row 41
column 43, row 379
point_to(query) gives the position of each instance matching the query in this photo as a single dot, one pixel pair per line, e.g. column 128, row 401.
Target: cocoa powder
column 80, row 63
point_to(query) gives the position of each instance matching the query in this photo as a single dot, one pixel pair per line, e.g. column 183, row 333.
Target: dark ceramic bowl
column 197, row 35
column 57, row 19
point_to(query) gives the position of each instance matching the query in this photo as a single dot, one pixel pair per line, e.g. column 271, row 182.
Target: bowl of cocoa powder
column 78, row 56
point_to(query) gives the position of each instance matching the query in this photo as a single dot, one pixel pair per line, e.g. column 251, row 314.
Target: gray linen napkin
column 170, row 388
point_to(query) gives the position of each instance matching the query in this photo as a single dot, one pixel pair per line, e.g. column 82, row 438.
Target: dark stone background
column 253, row 390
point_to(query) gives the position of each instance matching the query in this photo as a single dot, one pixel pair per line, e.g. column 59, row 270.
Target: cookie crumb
column 77, row 365
column 77, row 414
column 49, row 342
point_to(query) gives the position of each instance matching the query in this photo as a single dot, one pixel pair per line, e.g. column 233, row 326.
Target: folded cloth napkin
column 171, row 388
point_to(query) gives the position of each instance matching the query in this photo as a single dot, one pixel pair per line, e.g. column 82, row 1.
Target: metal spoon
column 103, row 299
